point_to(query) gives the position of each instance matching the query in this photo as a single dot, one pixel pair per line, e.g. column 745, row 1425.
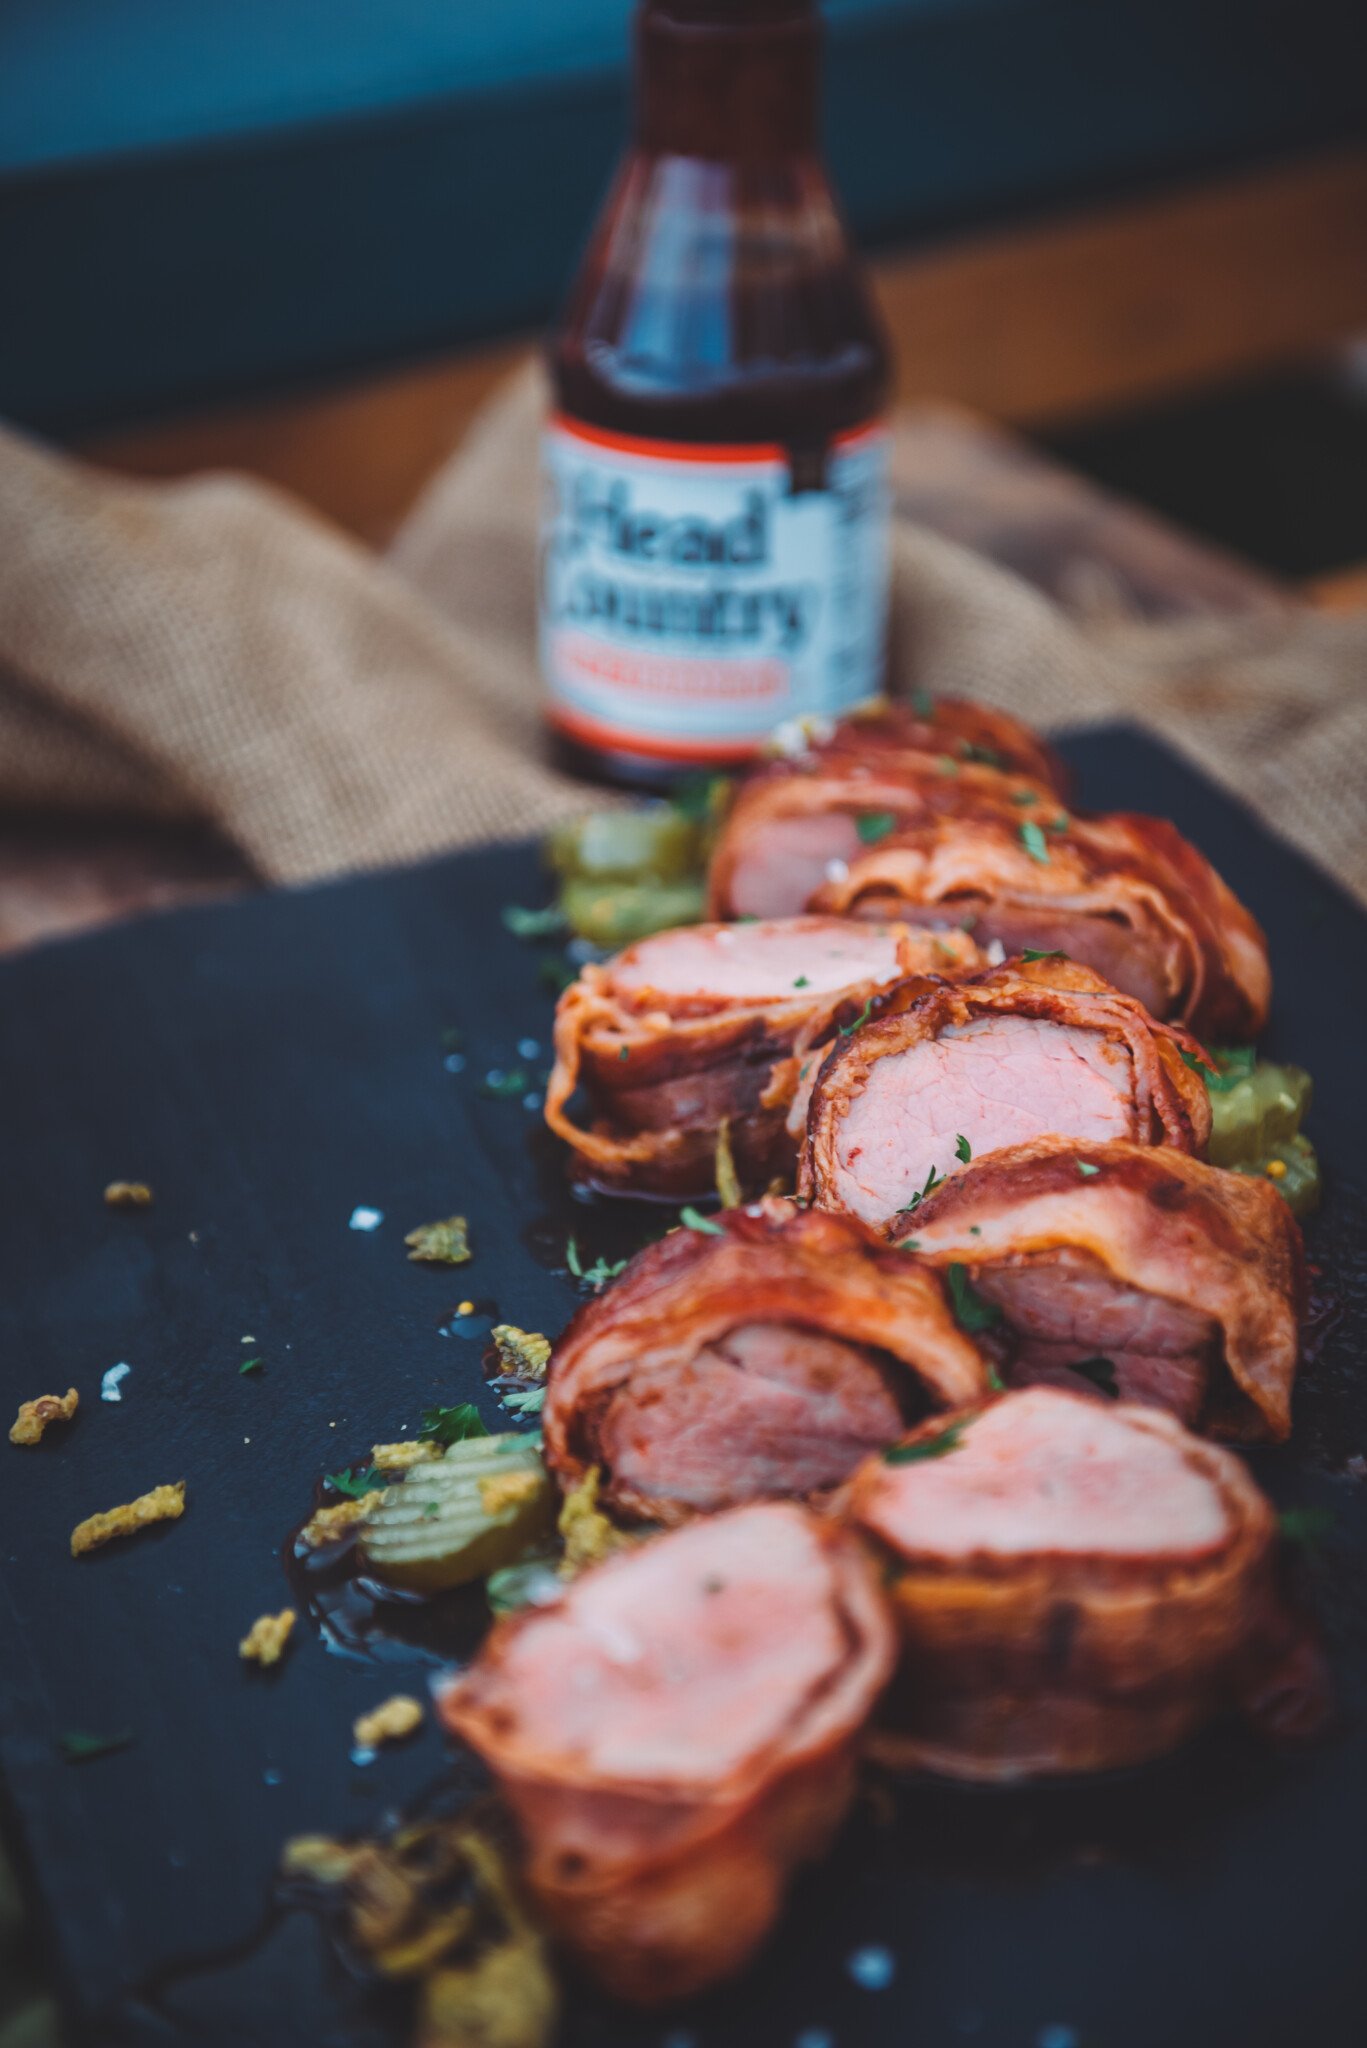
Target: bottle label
column 694, row 596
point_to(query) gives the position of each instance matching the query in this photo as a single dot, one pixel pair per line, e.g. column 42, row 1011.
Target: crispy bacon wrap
column 1168, row 1280
column 794, row 825
column 1124, row 894
column 1077, row 1586
column 713, row 1023
column 678, row 1733
column 1025, row 1050
column 761, row 1357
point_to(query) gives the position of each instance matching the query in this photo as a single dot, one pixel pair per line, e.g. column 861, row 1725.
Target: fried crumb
column 524, row 1353
column 507, row 1489
column 34, row 1416
column 128, row 1194
column 162, row 1504
column 266, row 1640
column 586, row 1532
column 398, row 1717
column 326, row 1525
column 399, row 1457
column 440, row 1244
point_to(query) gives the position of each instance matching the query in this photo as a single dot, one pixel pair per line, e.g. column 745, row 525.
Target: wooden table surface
column 954, row 473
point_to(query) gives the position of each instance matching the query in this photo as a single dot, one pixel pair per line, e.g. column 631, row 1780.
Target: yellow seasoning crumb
column 34, row 1416
column 162, row 1504
column 524, row 1352
column 399, row 1457
column 128, row 1194
column 506, row 1489
column 440, row 1244
column 391, row 1722
column 586, row 1532
column 266, row 1639
column 1275, row 1169
column 465, row 1308
column 326, row 1525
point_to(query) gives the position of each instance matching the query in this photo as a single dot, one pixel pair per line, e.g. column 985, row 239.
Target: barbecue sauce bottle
column 714, row 546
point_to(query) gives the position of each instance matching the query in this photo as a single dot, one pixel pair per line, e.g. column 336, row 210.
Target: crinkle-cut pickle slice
column 482, row 1506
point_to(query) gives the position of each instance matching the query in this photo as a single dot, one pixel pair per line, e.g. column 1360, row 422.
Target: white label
column 694, row 597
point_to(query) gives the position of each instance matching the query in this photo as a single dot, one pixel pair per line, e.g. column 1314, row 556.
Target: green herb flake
column 1198, row 1066
column 923, row 704
column 934, row 1179
column 1101, row 1373
column 354, row 1484
column 1086, row 1169
column 848, row 1030
column 706, row 1226
column 503, row 1087
column 1060, row 823
column 971, row 1312
column 533, row 924
column 1033, row 953
column 1033, row 840
column 963, row 1151
column 908, row 1244
column 875, row 825
column 446, row 1426
column 995, row 1380
column 79, row 1746
column 1306, row 1526
column 927, row 1447
column 986, row 757
column 1024, row 796
column 440, row 1244
column 802, row 982
column 1234, row 1064
column 975, row 1230
column 525, row 1400
column 252, row 1365
column 624, row 1052
column 946, row 764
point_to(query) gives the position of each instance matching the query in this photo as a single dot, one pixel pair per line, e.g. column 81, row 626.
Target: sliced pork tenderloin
column 1077, row 1586
column 965, row 1069
column 761, row 1357
column 1125, row 895
column 712, row 1023
column 1169, row 1281
column 677, row 1734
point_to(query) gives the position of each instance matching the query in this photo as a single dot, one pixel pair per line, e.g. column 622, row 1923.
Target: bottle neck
column 735, row 83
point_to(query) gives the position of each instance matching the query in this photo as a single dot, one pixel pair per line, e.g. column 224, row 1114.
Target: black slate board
column 269, row 1065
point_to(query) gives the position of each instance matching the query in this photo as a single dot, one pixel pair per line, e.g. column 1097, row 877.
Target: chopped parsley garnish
column 1024, row 796
column 705, row 1225
column 909, row 1244
column 527, row 1401
column 1101, row 1373
column 624, row 1052
column 1086, row 1168
column 988, row 757
column 923, row 704
column 971, row 1312
column 1306, row 1526
column 1033, row 953
column 802, row 982
column 1033, row 840
column 927, row 1447
column 962, row 1149
column 598, row 1274
column 554, row 973
column 946, row 764
column 848, row 1030
column 446, row 1426
column 698, row 797
column 995, row 1380
column 78, row 1746
column 1060, row 823
column 501, row 1085
column 251, row 1365
column 934, row 1179
column 975, row 1230
column 1234, row 1063
column 1197, row 1066
column 354, row 1484
column 533, row 924
column 875, row 825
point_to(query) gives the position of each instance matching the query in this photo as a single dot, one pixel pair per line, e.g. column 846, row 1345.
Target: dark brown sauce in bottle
column 716, row 548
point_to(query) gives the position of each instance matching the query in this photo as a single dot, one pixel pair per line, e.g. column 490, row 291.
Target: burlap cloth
column 210, row 649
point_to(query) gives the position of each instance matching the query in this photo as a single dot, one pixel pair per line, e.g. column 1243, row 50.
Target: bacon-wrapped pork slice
column 1077, row 1585
column 713, row 1022
column 678, row 1733
column 764, row 1356
column 968, row 1068
column 794, row 826
column 1168, row 1280
column 1126, row 895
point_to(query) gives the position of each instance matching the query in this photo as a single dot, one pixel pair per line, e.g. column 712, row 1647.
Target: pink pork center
column 997, row 1081
column 772, row 961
